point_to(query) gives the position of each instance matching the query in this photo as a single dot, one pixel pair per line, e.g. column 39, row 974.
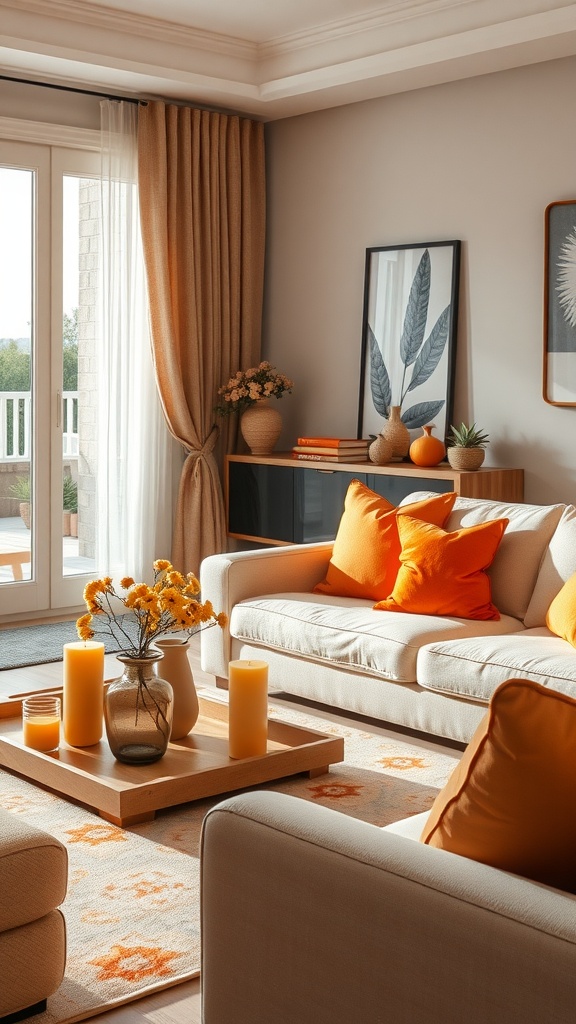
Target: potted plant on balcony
column 70, row 507
column 466, row 447
column 20, row 489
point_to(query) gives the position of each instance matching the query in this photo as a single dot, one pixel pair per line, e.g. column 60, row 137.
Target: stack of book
column 331, row 449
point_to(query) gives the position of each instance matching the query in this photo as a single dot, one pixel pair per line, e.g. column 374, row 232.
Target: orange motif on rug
column 335, row 790
column 403, row 764
column 133, row 963
column 94, row 835
column 142, row 886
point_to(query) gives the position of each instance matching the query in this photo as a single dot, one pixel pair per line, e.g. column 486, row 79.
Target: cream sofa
column 429, row 673
column 310, row 915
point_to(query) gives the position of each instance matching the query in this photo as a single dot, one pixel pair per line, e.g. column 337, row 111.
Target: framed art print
column 408, row 335
column 559, row 376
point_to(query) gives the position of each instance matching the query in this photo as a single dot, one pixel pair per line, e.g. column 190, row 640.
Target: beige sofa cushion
column 475, row 667
column 517, row 562
column 558, row 565
column 349, row 634
column 34, row 865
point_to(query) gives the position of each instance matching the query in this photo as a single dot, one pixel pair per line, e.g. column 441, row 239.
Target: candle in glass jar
column 41, row 723
column 248, row 708
column 83, row 692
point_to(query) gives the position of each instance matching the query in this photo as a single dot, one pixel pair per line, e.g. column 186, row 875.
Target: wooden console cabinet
column 276, row 499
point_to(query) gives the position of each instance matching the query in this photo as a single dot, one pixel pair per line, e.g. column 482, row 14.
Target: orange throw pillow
column 444, row 573
column 561, row 615
column 366, row 553
column 511, row 801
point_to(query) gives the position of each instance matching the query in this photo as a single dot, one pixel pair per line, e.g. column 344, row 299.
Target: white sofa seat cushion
column 348, row 633
column 474, row 668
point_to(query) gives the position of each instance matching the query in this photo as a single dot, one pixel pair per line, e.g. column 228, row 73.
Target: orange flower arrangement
column 170, row 604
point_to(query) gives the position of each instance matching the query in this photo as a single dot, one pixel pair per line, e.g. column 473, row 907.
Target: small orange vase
column 427, row 450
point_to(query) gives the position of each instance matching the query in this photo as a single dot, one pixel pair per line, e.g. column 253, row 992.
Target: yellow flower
column 169, row 604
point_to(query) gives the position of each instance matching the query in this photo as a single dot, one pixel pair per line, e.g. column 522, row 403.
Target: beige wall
column 477, row 160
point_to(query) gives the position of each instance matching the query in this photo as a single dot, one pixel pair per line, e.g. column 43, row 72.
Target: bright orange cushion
column 561, row 615
column 366, row 553
column 444, row 573
column 511, row 801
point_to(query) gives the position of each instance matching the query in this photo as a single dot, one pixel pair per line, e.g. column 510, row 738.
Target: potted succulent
column 20, row 489
column 466, row 446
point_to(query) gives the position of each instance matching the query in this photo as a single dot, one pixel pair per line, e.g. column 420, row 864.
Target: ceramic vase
column 381, row 450
column 177, row 670
column 397, row 432
column 261, row 426
column 465, row 459
column 138, row 711
column 427, row 450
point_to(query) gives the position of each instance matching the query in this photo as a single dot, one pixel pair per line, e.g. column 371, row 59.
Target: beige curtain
column 202, row 206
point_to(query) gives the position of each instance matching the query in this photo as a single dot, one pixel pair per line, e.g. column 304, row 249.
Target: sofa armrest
column 310, row 915
column 229, row 578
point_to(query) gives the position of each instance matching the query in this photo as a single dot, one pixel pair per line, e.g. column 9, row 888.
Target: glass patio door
column 48, row 249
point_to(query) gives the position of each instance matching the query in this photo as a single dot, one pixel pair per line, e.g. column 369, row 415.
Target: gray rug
column 39, row 645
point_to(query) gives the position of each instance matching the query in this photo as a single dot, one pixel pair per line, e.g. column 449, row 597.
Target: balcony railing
column 15, row 425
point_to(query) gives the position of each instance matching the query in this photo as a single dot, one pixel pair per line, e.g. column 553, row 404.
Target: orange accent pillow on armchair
column 444, row 573
column 366, row 553
column 511, row 800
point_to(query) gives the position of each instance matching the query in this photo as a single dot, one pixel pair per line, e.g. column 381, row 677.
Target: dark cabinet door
column 396, row 488
column 261, row 501
column 319, row 502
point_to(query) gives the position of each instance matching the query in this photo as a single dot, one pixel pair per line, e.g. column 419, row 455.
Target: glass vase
column 138, row 711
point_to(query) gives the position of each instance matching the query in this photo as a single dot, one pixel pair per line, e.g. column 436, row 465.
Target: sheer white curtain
column 135, row 450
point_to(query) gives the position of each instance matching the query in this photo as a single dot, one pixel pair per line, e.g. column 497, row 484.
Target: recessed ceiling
column 276, row 58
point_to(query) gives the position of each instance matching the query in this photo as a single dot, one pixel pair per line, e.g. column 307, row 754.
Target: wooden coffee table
column 192, row 768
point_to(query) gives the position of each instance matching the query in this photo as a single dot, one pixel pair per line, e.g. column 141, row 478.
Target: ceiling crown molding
column 406, row 44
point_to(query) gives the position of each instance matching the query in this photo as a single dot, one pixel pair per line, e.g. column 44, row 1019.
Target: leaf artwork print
column 566, row 287
column 416, row 351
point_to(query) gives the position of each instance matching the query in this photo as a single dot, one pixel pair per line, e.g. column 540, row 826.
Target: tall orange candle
column 248, row 708
column 83, row 692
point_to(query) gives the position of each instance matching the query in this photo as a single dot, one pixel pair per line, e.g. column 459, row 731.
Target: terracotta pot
column 427, row 450
column 465, row 458
column 261, row 426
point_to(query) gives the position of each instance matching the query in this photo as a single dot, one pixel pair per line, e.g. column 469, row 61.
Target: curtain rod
column 69, row 88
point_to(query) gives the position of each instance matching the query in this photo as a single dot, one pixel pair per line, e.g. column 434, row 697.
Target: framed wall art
column 559, row 377
column 409, row 335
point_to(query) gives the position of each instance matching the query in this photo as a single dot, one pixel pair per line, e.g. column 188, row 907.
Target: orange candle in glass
column 41, row 723
column 248, row 708
column 83, row 693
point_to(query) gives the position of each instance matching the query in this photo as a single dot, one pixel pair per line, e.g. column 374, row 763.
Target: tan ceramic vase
column 177, row 670
column 380, row 451
column 427, row 450
column 261, row 426
column 397, row 432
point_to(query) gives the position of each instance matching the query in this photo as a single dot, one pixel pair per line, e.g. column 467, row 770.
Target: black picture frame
column 409, row 329
column 559, row 369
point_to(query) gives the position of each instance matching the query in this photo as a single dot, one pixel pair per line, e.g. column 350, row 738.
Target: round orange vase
column 427, row 450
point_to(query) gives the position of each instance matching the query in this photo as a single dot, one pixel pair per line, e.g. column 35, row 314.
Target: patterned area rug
column 132, row 909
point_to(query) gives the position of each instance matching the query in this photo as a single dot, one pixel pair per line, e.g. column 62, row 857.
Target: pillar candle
column 83, row 692
column 248, row 708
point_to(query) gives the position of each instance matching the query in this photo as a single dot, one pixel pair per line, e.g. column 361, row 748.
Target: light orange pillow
column 511, row 800
column 444, row 573
column 561, row 615
column 366, row 553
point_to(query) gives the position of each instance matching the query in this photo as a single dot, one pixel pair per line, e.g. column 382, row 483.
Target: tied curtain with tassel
column 202, row 208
